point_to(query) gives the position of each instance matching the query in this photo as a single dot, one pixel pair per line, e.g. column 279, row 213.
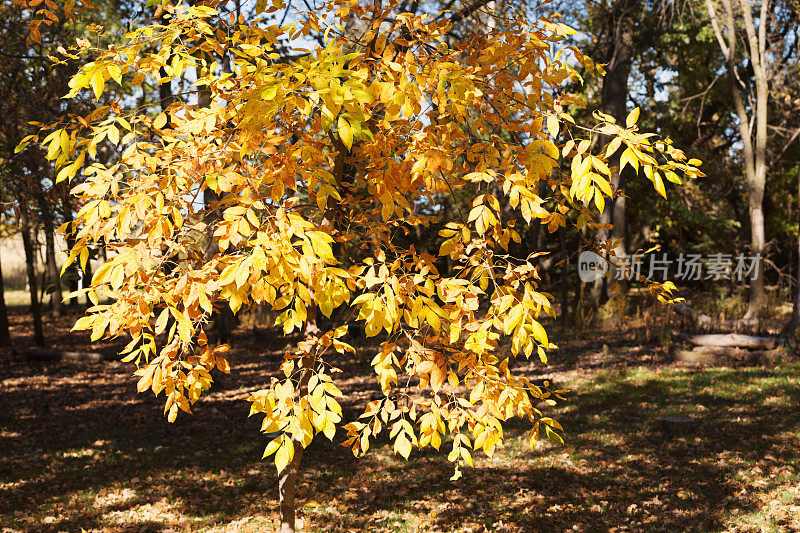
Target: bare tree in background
column 741, row 37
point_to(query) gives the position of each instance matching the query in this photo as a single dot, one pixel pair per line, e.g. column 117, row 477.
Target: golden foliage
column 315, row 163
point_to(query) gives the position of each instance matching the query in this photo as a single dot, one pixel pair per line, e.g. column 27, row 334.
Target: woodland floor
column 81, row 450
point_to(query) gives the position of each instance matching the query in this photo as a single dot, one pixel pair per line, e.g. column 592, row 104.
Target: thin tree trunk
column 287, row 481
column 5, row 336
column 30, row 265
column 43, row 284
column 223, row 318
column 287, row 489
column 53, row 277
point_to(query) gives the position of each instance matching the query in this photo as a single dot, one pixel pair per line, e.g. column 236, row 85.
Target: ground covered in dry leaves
column 81, row 450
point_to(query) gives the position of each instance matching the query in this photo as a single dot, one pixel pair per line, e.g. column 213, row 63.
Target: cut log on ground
column 733, row 340
column 695, row 358
column 721, row 350
column 58, row 355
column 708, row 320
column 725, row 356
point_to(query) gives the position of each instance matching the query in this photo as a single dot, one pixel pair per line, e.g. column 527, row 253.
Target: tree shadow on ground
column 82, row 450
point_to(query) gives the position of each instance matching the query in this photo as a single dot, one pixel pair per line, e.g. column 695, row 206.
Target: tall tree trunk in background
column 53, row 277
column 72, row 279
column 30, row 265
column 754, row 144
column 614, row 99
column 580, row 286
column 87, row 275
column 793, row 329
column 564, row 277
column 5, row 337
column 165, row 93
column 223, row 319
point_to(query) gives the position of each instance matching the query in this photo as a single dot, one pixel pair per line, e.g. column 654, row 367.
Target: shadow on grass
column 81, row 450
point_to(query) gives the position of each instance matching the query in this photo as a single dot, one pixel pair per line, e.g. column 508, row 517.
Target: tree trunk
column 758, row 241
column 614, row 99
column 287, row 490
column 5, row 336
column 580, row 288
column 793, row 329
column 30, row 265
column 618, row 231
column 754, row 147
column 86, row 277
column 287, row 481
column 72, row 278
column 564, row 278
column 53, row 277
column 165, row 93
column 223, row 320
column 758, row 58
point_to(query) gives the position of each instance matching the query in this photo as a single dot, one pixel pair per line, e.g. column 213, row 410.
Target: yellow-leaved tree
column 283, row 181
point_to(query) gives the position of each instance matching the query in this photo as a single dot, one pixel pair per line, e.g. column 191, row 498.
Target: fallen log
column 720, row 350
column 695, row 358
column 59, row 355
column 708, row 320
column 734, row 340
column 726, row 356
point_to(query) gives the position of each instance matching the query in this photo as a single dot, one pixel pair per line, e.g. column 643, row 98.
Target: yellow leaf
column 98, row 81
column 113, row 134
column 24, row 143
column 659, row 184
column 284, row 454
column 552, row 125
column 345, row 132
column 223, row 365
column 402, row 445
column 160, row 121
column 273, row 446
column 146, row 379
column 161, row 321
column 633, row 116
column 628, row 158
